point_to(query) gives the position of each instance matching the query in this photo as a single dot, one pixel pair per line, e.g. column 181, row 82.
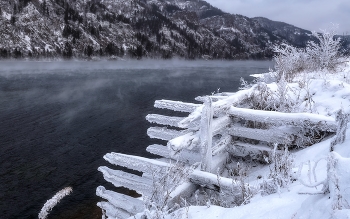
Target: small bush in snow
column 322, row 54
column 289, row 61
column 281, row 168
column 158, row 206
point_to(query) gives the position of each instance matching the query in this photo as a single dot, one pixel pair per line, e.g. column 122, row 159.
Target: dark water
column 57, row 120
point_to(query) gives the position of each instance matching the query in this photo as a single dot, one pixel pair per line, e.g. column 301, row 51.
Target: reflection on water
column 58, row 119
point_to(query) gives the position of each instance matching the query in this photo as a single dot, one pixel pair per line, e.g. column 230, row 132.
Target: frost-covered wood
column 256, row 152
column 127, row 203
column 113, row 212
column 213, row 98
column 206, row 135
column 187, row 141
column 122, row 179
column 210, row 181
column 219, row 124
column 210, row 122
column 246, row 146
column 219, row 108
column 320, row 122
column 141, row 164
column 342, row 121
column 176, row 105
column 185, row 156
column 163, row 133
column 164, row 120
column 170, row 121
column 222, row 144
column 268, row 135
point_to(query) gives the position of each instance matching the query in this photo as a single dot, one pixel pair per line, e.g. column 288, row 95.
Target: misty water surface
column 58, row 119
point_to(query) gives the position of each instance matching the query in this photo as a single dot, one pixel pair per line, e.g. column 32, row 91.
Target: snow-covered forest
column 117, row 29
column 275, row 149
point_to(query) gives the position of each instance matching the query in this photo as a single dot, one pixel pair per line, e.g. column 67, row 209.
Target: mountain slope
column 136, row 28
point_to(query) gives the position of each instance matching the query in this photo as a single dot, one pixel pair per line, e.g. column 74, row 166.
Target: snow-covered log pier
column 204, row 141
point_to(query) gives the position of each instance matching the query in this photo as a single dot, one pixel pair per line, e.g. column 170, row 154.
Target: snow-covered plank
column 321, row 122
column 141, row 164
column 220, row 123
column 163, row 133
column 184, row 190
column 170, row 121
column 191, row 140
column 112, row 212
column 213, row 98
column 222, row 106
column 159, row 150
column 127, row 203
column 219, row 108
column 256, row 152
column 212, row 181
column 185, row 156
column 269, row 135
column 222, row 144
column 219, row 161
column 164, row 120
column 122, row 179
column 176, row 105
column 186, row 141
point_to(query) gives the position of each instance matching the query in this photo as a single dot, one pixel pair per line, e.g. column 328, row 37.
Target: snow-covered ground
column 319, row 93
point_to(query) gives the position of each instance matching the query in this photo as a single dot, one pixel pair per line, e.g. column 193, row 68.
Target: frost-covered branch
column 51, row 203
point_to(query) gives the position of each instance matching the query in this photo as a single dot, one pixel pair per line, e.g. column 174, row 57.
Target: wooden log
column 256, row 152
column 187, row 141
column 213, row 98
column 184, row 190
column 219, row 108
column 222, row 144
column 206, row 135
column 141, row 164
column 176, row 105
column 164, row 120
column 127, row 203
column 170, row 121
column 191, row 140
column 220, row 123
column 273, row 136
column 320, row 122
column 186, row 156
column 163, row 133
column 213, row 182
column 113, row 212
column 122, row 179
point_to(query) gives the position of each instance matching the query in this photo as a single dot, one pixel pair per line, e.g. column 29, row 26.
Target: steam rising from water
column 59, row 118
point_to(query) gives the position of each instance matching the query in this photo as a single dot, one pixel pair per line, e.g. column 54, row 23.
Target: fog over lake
column 58, row 119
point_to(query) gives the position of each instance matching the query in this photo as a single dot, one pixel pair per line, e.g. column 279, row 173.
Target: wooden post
column 206, row 135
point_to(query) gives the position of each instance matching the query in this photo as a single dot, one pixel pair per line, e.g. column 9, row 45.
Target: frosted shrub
column 260, row 98
column 280, row 169
column 322, row 54
column 288, row 61
column 158, row 205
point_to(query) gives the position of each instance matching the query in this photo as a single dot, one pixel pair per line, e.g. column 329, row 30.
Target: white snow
column 289, row 203
column 319, row 96
column 329, row 94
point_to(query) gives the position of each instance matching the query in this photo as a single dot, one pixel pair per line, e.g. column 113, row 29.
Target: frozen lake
column 58, row 119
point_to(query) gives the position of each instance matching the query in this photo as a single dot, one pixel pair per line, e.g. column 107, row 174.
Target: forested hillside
column 135, row 29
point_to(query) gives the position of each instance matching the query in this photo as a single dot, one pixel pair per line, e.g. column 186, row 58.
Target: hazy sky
column 307, row 14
